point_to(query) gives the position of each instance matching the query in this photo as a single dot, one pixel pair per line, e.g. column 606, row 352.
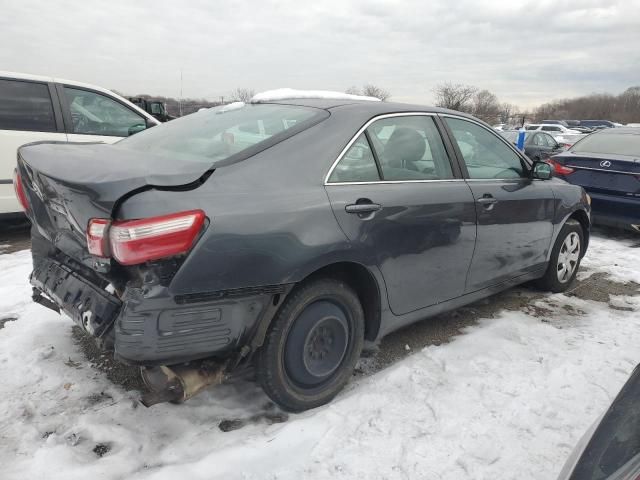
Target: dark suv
column 196, row 248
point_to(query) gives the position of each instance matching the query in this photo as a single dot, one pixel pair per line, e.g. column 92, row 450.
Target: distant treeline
column 623, row 108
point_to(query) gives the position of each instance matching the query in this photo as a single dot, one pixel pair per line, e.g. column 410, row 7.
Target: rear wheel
column 565, row 258
column 312, row 345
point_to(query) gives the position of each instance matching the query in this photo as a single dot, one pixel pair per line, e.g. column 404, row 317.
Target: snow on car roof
column 290, row 94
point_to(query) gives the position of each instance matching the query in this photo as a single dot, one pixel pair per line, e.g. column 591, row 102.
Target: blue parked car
column 607, row 165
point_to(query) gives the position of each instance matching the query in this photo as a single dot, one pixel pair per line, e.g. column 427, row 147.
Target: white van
column 35, row 108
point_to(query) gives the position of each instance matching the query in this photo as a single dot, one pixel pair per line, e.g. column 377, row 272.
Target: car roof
column 73, row 83
column 43, row 78
column 376, row 108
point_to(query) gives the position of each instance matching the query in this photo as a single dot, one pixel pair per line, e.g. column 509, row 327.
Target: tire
column 565, row 259
column 312, row 345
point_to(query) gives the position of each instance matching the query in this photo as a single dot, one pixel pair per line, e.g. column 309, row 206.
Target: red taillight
column 19, row 189
column 137, row 241
column 97, row 240
column 559, row 168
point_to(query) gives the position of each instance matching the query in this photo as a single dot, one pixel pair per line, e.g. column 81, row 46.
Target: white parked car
column 35, row 108
column 552, row 128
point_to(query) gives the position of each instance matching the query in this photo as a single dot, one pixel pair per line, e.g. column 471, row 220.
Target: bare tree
column 369, row 90
column 243, row 94
column 486, row 106
column 455, row 96
column 507, row 110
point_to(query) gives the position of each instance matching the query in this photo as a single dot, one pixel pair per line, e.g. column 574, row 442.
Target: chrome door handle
column 363, row 207
column 487, row 201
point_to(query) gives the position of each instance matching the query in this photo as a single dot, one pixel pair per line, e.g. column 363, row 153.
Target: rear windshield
column 614, row 143
column 217, row 134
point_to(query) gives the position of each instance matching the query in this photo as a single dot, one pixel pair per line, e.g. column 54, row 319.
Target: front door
column 399, row 201
column 515, row 212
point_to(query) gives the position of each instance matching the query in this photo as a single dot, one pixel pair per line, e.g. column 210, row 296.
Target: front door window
column 96, row 114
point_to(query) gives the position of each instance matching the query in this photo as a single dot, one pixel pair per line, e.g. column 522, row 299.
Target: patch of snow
column 290, row 94
column 230, row 107
column 508, row 398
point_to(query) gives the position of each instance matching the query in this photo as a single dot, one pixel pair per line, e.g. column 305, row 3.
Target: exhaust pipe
column 179, row 383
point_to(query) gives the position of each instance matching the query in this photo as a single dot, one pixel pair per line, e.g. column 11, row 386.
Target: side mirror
column 542, row 171
column 133, row 129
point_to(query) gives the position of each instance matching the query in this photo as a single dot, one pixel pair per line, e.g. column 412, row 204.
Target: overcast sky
column 527, row 52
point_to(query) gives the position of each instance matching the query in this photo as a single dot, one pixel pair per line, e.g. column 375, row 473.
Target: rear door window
column 410, row 148
column 485, row 154
column 26, row 106
column 357, row 164
column 550, row 142
column 95, row 114
column 538, row 139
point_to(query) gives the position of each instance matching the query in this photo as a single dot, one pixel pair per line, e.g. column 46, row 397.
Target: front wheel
column 312, row 345
column 565, row 258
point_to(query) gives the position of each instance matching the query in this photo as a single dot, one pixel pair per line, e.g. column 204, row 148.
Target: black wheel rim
column 317, row 343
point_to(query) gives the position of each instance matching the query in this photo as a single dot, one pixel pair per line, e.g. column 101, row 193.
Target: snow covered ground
column 507, row 399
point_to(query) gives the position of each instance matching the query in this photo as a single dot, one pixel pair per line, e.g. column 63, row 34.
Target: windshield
column 216, row 134
column 610, row 143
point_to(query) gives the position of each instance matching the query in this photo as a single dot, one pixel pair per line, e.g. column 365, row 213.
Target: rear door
column 29, row 112
column 402, row 203
column 92, row 116
column 515, row 212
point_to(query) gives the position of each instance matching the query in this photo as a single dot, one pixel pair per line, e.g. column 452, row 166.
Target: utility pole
column 180, row 103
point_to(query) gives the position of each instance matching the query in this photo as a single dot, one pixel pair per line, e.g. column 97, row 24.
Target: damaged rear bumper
column 92, row 308
column 149, row 325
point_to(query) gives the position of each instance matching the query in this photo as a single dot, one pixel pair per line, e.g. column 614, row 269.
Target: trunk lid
column 68, row 184
column 609, row 174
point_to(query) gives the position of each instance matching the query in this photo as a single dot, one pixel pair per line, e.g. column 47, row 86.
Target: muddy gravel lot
column 437, row 330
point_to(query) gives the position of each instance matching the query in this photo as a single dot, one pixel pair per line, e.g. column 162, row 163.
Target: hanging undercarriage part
column 179, row 383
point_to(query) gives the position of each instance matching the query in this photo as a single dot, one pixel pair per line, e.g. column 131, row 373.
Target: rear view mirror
column 541, row 171
column 252, row 127
column 133, row 129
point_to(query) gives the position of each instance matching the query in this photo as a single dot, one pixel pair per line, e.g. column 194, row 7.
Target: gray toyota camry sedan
column 282, row 234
